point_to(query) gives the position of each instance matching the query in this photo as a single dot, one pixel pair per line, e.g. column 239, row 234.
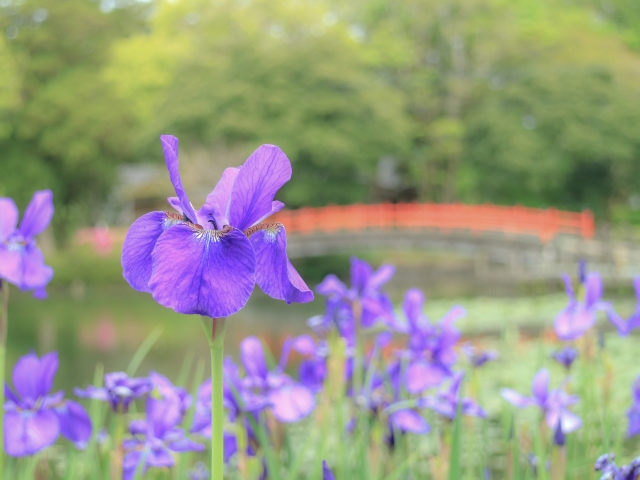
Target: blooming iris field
column 377, row 392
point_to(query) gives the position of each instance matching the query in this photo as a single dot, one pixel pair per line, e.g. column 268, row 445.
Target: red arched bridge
column 518, row 220
column 499, row 241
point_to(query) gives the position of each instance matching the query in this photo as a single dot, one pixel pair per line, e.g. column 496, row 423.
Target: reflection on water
column 107, row 324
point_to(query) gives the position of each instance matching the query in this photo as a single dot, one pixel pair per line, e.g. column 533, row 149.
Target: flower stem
column 215, row 329
column 4, row 323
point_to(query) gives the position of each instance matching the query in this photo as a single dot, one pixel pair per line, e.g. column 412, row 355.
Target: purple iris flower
column 290, row 401
column 610, row 471
column 155, row 439
column 33, row 419
column 119, row 390
column 449, row 400
column 554, row 404
column 479, row 358
column 634, row 411
column 565, row 356
column 207, row 261
column 626, row 326
column 366, row 287
column 579, row 316
column 21, row 261
column 327, row 474
column 313, row 369
column 431, row 351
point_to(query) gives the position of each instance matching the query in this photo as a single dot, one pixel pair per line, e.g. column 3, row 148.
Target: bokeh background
column 531, row 102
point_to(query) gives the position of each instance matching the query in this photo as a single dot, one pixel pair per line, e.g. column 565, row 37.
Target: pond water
column 90, row 325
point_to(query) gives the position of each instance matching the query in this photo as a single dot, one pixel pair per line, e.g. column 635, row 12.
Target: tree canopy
column 534, row 102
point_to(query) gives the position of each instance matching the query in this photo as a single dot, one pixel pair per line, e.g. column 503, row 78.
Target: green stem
column 215, row 329
column 4, row 323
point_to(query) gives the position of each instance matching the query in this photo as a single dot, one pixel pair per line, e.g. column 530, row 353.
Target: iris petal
column 75, row 423
column 292, row 402
column 23, row 265
column 138, row 245
column 204, row 272
column 28, row 432
column 409, row 421
column 261, row 176
column 422, row 375
column 32, row 377
column 252, row 357
column 38, row 214
column 8, row 217
column 170, row 149
column 516, row 399
column 274, row 273
column 412, row 306
column 221, row 194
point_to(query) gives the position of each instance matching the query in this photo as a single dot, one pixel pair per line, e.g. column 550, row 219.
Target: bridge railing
column 545, row 224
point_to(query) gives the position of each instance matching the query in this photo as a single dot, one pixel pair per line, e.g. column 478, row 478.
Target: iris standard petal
column 221, row 194
column 274, row 273
column 409, row 421
column 412, row 306
column 26, row 377
column 170, row 149
column 516, row 398
column 75, row 423
column 332, row 286
column 593, row 289
column 8, row 217
column 38, row 214
column 47, row 371
column 205, row 272
column 252, row 357
column 141, row 239
column 540, row 385
column 422, row 375
column 381, row 276
column 304, row 344
column 27, row 432
column 292, row 402
column 361, row 272
column 568, row 286
column 255, row 186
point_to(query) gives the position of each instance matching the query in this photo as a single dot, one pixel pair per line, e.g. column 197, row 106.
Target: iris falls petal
column 204, row 272
column 275, row 274
column 28, row 432
column 139, row 244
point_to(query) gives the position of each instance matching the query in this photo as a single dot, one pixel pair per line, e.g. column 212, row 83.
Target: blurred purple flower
column 21, row 261
column 207, row 261
column 554, row 404
column 313, row 369
column 289, row 400
column 119, row 390
column 449, row 400
column 431, row 353
column 327, row 474
column 33, row 419
column 633, row 414
column 610, row 471
column 626, row 326
column 565, row 356
column 478, row 358
column 155, row 439
column 365, row 288
column 579, row 316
